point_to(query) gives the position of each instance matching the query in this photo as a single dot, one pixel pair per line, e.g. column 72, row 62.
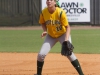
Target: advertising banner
column 76, row 10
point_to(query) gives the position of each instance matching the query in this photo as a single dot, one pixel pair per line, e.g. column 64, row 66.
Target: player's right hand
column 43, row 34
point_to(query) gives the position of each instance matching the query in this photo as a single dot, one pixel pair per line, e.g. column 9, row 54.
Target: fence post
column 32, row 10
column 96, row 12
column 92, row 12
column 99, row 12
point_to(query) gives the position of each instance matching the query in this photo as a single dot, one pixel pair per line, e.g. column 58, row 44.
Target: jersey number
column 58, row 28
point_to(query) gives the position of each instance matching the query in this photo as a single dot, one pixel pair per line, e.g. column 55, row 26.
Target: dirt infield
column 55, row 64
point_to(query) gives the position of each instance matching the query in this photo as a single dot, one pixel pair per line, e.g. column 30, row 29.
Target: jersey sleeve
column 41, row 19
column 64, row 19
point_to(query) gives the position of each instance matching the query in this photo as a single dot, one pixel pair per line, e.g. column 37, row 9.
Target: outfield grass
column 84, row 41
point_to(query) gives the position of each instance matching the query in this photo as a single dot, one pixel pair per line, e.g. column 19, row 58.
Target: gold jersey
column 54, row 22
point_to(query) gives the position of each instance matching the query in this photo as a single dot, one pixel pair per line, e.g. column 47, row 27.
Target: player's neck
column 51, row 10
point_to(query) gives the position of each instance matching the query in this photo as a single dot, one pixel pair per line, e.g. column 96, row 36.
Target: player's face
column 50, row 3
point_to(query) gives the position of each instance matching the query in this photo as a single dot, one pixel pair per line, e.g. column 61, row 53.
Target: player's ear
column 55, row 2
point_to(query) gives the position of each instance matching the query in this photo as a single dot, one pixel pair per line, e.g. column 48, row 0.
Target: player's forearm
column 67, row 33
column 44, row 27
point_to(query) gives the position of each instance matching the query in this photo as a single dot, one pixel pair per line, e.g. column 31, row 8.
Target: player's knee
column 41, row 57
column 72, row 57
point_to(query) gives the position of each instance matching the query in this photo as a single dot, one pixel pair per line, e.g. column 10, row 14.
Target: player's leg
column 47, row 45
column 74, row 61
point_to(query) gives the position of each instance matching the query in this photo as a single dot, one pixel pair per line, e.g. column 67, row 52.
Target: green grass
column 84, row 41
column 20, row 40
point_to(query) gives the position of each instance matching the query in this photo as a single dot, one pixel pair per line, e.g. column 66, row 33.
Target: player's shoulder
column 45, row 9
column 59, row 9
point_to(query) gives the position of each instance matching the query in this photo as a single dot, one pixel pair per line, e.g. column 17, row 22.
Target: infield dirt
column 55, row 64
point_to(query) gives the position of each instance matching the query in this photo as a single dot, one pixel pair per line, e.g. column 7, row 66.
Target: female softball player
column 55, row 28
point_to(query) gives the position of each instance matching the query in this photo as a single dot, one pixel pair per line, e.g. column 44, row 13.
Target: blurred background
column 26, row 12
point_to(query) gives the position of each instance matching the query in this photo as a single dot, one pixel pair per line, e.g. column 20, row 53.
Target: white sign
column 77, row 10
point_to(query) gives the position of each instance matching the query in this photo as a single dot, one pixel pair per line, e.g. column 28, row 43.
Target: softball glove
column 67, row 48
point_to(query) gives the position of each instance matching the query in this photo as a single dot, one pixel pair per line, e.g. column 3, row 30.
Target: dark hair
column 57, row 3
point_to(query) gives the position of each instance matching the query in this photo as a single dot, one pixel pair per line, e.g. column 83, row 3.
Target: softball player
column 56, row 28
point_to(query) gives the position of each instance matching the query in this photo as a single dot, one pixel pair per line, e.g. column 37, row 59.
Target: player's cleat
column 35, row 74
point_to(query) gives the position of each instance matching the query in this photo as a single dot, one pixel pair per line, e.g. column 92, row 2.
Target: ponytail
column 57, row 4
